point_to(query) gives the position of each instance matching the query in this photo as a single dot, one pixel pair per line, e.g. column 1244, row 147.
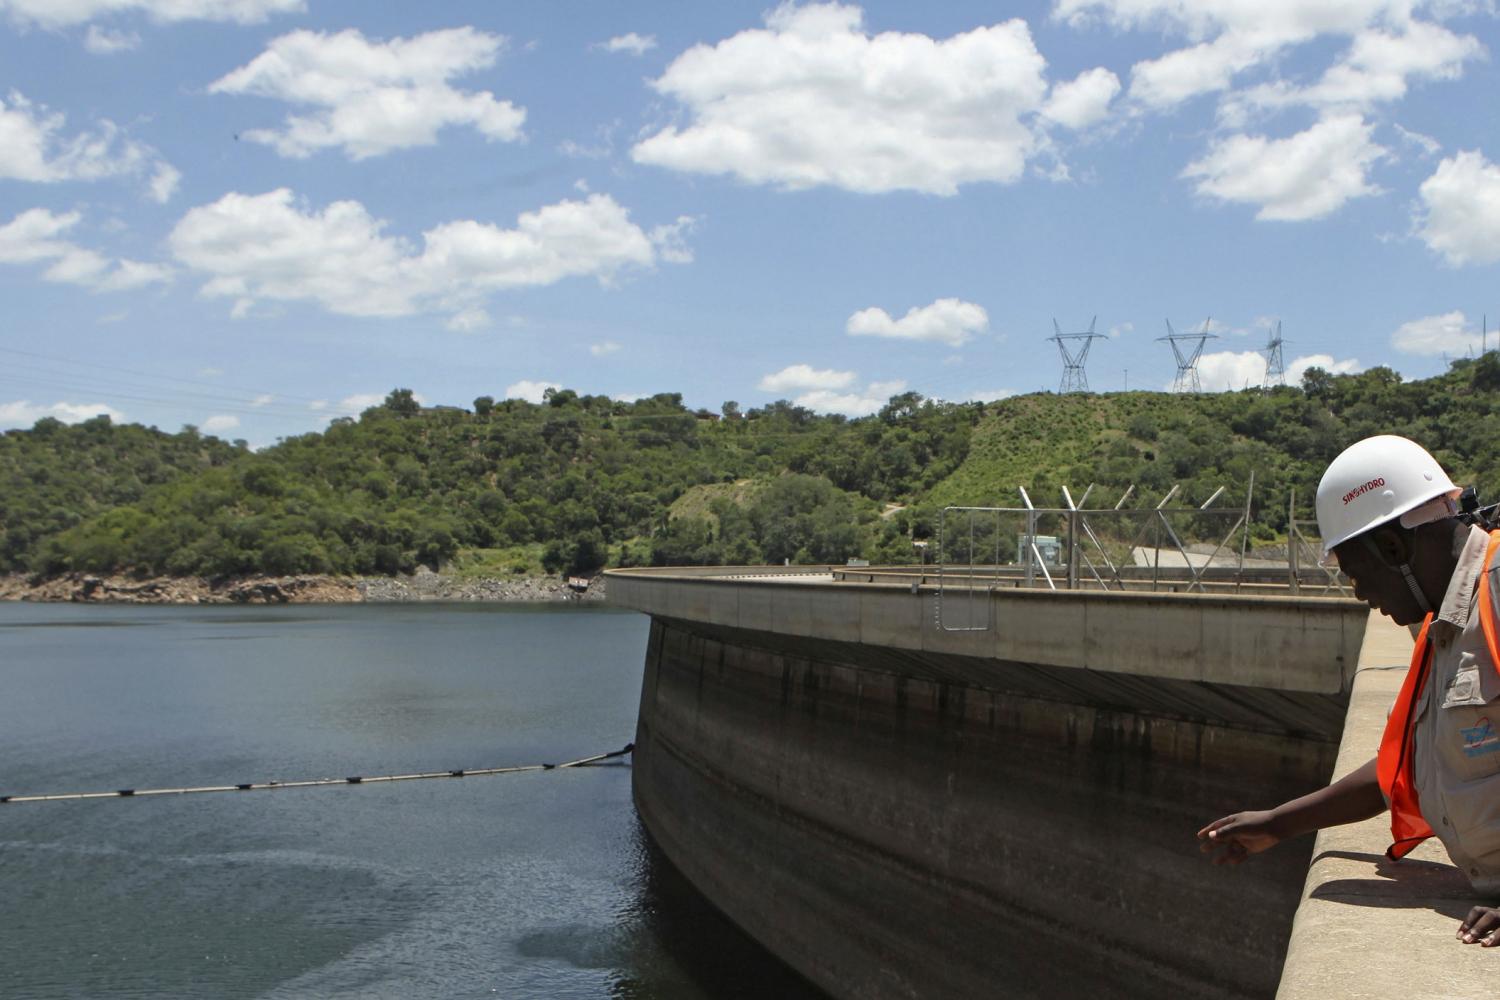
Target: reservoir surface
column 539, row 884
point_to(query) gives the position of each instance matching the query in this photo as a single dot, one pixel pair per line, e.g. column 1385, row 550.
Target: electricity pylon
column 1275, row 367
column 1074, row 378
column 1187, row 361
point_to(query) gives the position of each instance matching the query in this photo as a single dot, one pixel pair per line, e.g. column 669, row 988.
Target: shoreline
column 424, row 585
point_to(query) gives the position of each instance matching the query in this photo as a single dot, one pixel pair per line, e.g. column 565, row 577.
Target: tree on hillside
column 402, row 402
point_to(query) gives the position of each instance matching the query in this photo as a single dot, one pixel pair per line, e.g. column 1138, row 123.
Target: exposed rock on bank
column 425, row 585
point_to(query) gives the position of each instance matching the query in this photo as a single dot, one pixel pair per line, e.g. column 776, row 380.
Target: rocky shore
column 424, row 585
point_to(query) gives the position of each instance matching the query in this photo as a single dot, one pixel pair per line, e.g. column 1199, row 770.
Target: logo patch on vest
column 1481, row 739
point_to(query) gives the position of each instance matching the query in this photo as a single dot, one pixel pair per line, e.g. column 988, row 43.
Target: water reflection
column 679, row 945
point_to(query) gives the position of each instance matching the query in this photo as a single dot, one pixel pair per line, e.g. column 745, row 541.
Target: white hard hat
column 1377, row 480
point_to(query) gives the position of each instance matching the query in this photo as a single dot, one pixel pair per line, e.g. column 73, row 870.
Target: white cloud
column 795, row 378
column 1305, row 176
column 103, row 42
column 1298, row 367
column 33, row 237
column 813, row 99
column 360, row 402
column 164, row 181
column 852, row 404
column 670, row 239
column 64, row 13
column 469, row 320
column 630, row 42
column 602, row 148
column 948, row 321
column 1426, row 144
column 1275, row 19
column 210, row 372
column 987, row 395
column 1119, row 329
column 24, row 413
column 604, row 349
column 1221, row 329
column 33, row 148
column 1450, row 333
column 221, row 422
column 1375, row 69
column 270, row 246
column 1161, row 84
column 1084, row 100
column 531, row 390
column 1459, row 216
column 370, row 97
column 1228, row 37
column 1232, row 370
column 318, row 405
column 264, row 399
column 829, row 391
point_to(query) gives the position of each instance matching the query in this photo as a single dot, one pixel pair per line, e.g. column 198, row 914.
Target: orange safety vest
column 1394, row 765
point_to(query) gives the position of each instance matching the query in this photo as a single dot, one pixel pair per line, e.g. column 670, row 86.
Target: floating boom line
column 262, row 786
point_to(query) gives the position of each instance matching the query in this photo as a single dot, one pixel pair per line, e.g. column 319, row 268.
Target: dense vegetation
column 579, row 482
column 54, row 477
column 586, row 479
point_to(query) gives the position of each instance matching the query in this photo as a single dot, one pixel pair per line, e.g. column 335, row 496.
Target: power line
column 149, row 375
column 69, row 385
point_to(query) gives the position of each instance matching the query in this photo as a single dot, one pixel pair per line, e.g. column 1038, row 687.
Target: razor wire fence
column 1184, row 548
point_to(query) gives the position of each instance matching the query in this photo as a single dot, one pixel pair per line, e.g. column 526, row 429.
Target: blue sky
column 255, row 215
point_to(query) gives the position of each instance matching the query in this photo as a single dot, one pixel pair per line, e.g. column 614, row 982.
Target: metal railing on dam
column 897, row 809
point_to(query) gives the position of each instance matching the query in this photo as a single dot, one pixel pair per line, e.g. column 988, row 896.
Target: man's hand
column 1353, row 797
column 1481, row 926
column 1235, row 837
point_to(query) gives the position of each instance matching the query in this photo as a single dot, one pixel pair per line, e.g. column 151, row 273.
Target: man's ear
column 1394, row 546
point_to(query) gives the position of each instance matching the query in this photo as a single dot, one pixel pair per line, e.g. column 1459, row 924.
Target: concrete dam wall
column 901, row 811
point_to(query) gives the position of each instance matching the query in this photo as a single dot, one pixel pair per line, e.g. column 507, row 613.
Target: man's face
column 1377, row 580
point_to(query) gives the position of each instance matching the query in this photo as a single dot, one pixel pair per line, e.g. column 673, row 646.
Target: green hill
column 583, row 481
column 54, row 477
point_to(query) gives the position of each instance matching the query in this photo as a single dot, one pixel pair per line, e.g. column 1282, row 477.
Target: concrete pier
column 902, row 811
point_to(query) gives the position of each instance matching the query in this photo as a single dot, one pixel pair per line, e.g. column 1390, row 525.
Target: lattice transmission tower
column 1187, row 360
column 1275, row 367
column 1074, row 348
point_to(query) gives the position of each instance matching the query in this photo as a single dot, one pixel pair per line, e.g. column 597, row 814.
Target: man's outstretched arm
column 1353, row 797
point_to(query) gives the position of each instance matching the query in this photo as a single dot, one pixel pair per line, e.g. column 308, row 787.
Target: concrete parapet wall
column 1368, row 927
column 1275, row 643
